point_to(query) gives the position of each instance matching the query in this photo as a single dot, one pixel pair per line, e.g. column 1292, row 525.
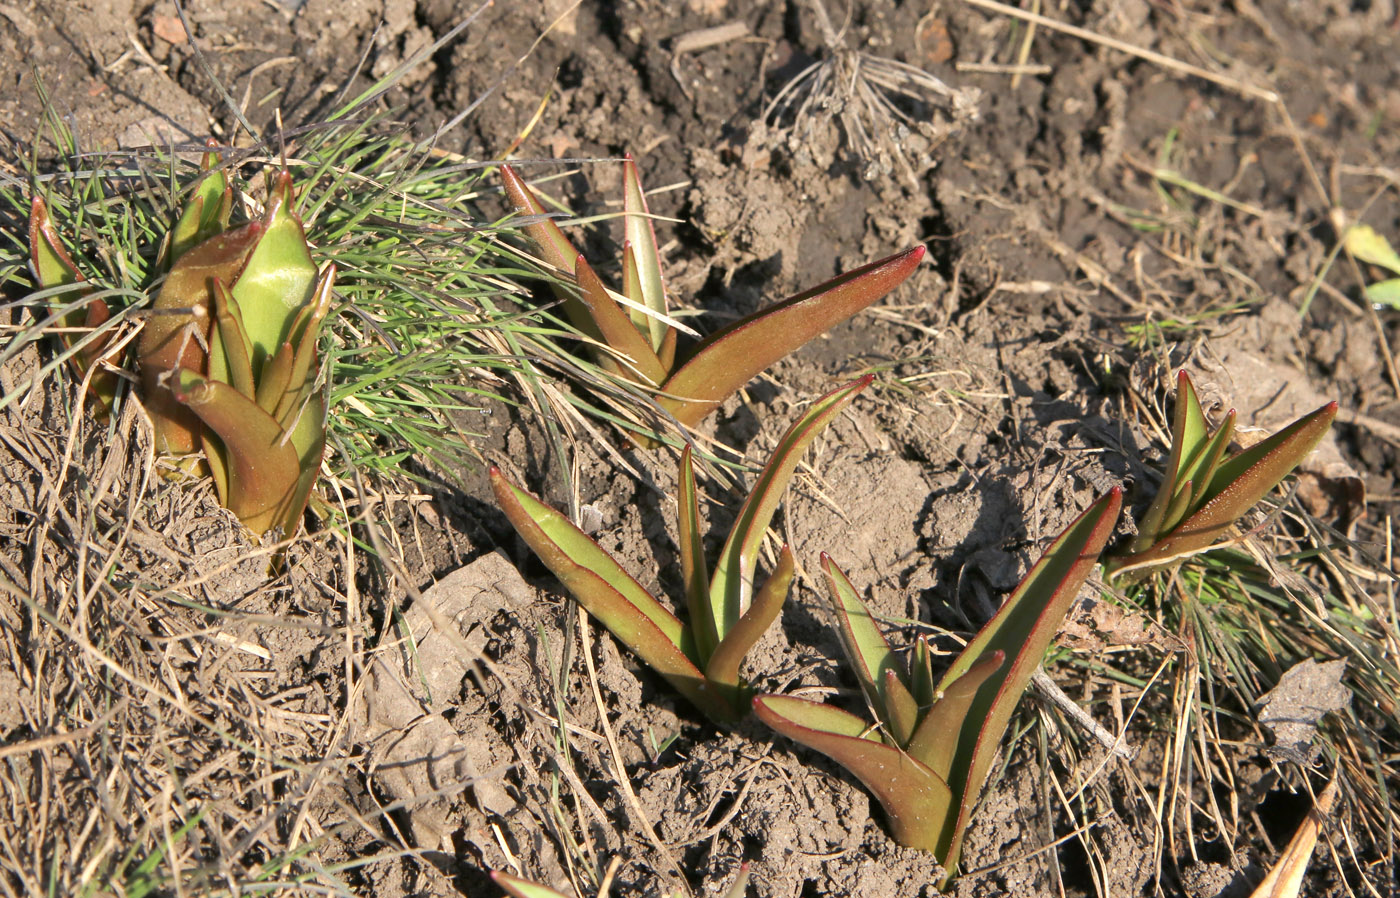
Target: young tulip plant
column 1205, row 488
column 228, row 358
column 640, row 343
column 927, row 756
column 699, row 657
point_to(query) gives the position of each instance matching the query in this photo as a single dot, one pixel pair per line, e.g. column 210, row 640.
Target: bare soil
column 1064, row 280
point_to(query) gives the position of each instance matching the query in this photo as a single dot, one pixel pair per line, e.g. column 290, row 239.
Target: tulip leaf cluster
column 726, row 615
column 928, row 756
column 1206, row 488
column 228, row 356
column 638, row 341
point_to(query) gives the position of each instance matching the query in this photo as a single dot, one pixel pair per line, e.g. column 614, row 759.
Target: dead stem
column 859, row 91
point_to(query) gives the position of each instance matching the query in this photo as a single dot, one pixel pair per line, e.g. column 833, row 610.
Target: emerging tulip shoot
column 1205, row 489
column 228, row 360
column 641, row 346
column 928, row 757
column 701, row 656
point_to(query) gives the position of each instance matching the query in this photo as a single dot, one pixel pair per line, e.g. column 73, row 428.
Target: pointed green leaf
column 1263, row 466
column 276, row 379
column 921, row 682
column 1203, row 469
column 1239, row 483
column 213, row 196
column 917, row 802
column 1194, row 430
column 617, row 329
column 1385, row 293
column 1188, row 428
column 185, row 234
column 641, row 238
column 308, row 438
column 730, row 357
column 667, row 353
column 52, row 265
column 207, row 211
column 1178, row 507
column 694, row 570
column 306, row 332
column 608, row 593
column 732, row 584
column 522, row 888
column 936, row 738
column 553, row 248
column 901, row 711
column 233, row 353
column 723, row 667
column 866, row 647
column 1022, row 628
column 277, row 280
column 263, row 467
column 551, row 244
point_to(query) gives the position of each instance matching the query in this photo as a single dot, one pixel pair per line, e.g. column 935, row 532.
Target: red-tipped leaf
column 608, row 593
column 731, row 357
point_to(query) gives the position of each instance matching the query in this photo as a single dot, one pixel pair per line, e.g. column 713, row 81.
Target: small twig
column 702, row 39
column 1052, row 693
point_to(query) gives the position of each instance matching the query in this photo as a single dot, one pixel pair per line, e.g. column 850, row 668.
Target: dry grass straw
column 154, row 741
